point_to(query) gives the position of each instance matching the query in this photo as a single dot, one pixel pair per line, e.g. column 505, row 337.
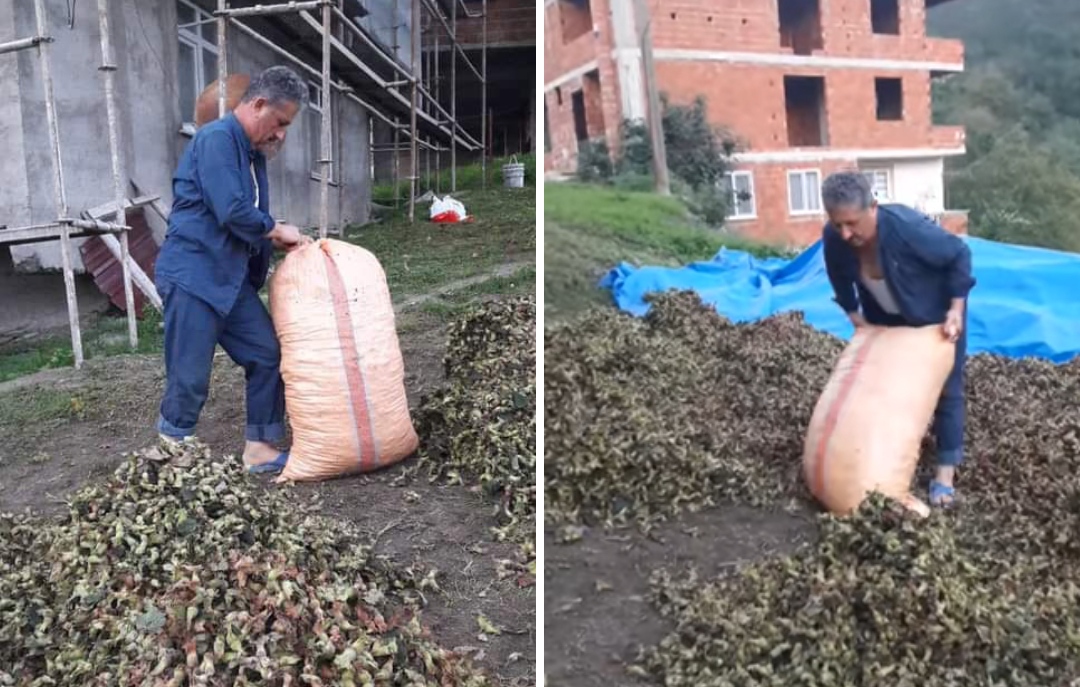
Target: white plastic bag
column 447, row 209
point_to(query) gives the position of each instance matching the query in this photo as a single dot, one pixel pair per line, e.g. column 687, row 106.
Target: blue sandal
column 273, row 467
column 941, row 495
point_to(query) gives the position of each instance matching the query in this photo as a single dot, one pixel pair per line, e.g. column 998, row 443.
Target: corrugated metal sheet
column 105, row 269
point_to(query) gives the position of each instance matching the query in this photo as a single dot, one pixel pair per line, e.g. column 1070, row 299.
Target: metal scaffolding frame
column 423, row 94
column 424, row 90
column 66, row 228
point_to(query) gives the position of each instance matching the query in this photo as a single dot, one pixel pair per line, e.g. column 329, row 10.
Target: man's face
column 856, row 226
column 270, row 123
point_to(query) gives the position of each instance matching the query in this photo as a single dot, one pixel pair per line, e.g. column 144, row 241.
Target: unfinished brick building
column 809, row 87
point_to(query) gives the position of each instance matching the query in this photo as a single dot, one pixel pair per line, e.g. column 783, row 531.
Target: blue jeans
column 951, row 409
column 192, row 331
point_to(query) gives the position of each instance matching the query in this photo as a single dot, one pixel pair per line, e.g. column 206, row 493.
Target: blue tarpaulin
column 1024, row 304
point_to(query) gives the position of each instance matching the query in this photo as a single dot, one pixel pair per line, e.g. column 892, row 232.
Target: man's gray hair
column 847, row 189
column 279, row 85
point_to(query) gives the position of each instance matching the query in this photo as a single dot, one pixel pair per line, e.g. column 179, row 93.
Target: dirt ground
column 60, row 429
column 596, row 612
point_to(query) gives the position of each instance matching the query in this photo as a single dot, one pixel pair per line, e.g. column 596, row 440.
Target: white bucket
column 514, row 174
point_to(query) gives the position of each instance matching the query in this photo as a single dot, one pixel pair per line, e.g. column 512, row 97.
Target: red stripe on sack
column 833, row 417
column 354, row 377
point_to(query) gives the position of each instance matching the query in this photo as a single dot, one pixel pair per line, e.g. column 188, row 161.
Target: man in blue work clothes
column 215, row 259
column 904, row 270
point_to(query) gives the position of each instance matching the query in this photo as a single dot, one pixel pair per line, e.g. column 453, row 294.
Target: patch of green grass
column 40, row 406
column 469, row 177
column 457, row 302
column 590, row 229
column 423, row 256
column 105, row 337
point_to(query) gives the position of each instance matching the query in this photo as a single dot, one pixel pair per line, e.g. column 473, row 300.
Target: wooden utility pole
column 655, row 115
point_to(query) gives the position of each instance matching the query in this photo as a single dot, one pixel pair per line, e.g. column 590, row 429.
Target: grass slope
column 590, row 229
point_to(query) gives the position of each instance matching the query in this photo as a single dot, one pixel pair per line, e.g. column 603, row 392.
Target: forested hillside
column 1020, row 101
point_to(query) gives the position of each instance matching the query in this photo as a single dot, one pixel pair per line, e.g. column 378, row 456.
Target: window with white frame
column 879, row 183
column 741, row 187
column 804, row 192
column 316, row 103
column 197, row 65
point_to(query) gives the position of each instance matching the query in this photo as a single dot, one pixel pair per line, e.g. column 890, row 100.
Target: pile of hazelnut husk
column 181, row 571
column 684, row 410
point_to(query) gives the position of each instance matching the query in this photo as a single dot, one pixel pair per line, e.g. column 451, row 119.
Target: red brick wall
column 755, row 27
column 602, row 106
column 774, row 223
column 756, row 109
column 510, row 22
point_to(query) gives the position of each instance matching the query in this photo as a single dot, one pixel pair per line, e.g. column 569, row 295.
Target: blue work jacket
column 217, row 232
column 925, row 267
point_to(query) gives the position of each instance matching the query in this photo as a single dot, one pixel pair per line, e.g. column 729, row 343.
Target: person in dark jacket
column 891, row 265
column 215, row 259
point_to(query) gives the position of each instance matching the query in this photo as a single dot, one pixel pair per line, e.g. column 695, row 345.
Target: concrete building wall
column 391, row 25
column 147, row 49
column 14, row 187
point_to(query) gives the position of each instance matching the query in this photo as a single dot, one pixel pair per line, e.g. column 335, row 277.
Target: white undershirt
column 255, row 180
column 880, row 291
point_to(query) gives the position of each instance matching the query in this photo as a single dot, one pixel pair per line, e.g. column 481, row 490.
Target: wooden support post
column 58, row 185
column 108, row 67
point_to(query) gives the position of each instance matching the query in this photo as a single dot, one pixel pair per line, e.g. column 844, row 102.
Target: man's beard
column 271, row 149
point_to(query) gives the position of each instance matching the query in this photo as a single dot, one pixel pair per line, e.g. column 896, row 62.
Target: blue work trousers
column 951, row 409
column 192, row 331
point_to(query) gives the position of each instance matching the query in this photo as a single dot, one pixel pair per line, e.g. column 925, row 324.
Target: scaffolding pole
column 58, row 183
column 397, row 164
column 327, row 132
column 422, row 104
column 484, row 142
column 265, row 10
column 20, row 44
column 415, row 26
column 453, row 100
column 347, row 91
column 108, row 68
column 438, row 156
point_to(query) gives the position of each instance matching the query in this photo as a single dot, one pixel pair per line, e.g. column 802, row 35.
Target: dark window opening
column 594, row 103
column 890, row 99
column 800, row 26
column 581, row 124
column 885, row 17
column 805, row 103
column 576, row 19
column 558, row 95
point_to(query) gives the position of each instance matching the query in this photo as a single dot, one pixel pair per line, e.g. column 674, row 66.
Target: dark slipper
column 273, row 467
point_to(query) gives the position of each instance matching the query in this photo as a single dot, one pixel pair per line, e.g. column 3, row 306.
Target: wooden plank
column 39, row 234
column 107, row 209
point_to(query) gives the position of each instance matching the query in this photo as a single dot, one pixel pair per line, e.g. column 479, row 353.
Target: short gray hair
column 279, row 85
column 846, row 189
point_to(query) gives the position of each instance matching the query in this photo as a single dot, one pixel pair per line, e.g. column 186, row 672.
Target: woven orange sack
column 206, row 107
column 868, row 425
column 340, row 359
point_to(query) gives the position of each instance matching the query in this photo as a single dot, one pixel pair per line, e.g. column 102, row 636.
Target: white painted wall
column 917, row 183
